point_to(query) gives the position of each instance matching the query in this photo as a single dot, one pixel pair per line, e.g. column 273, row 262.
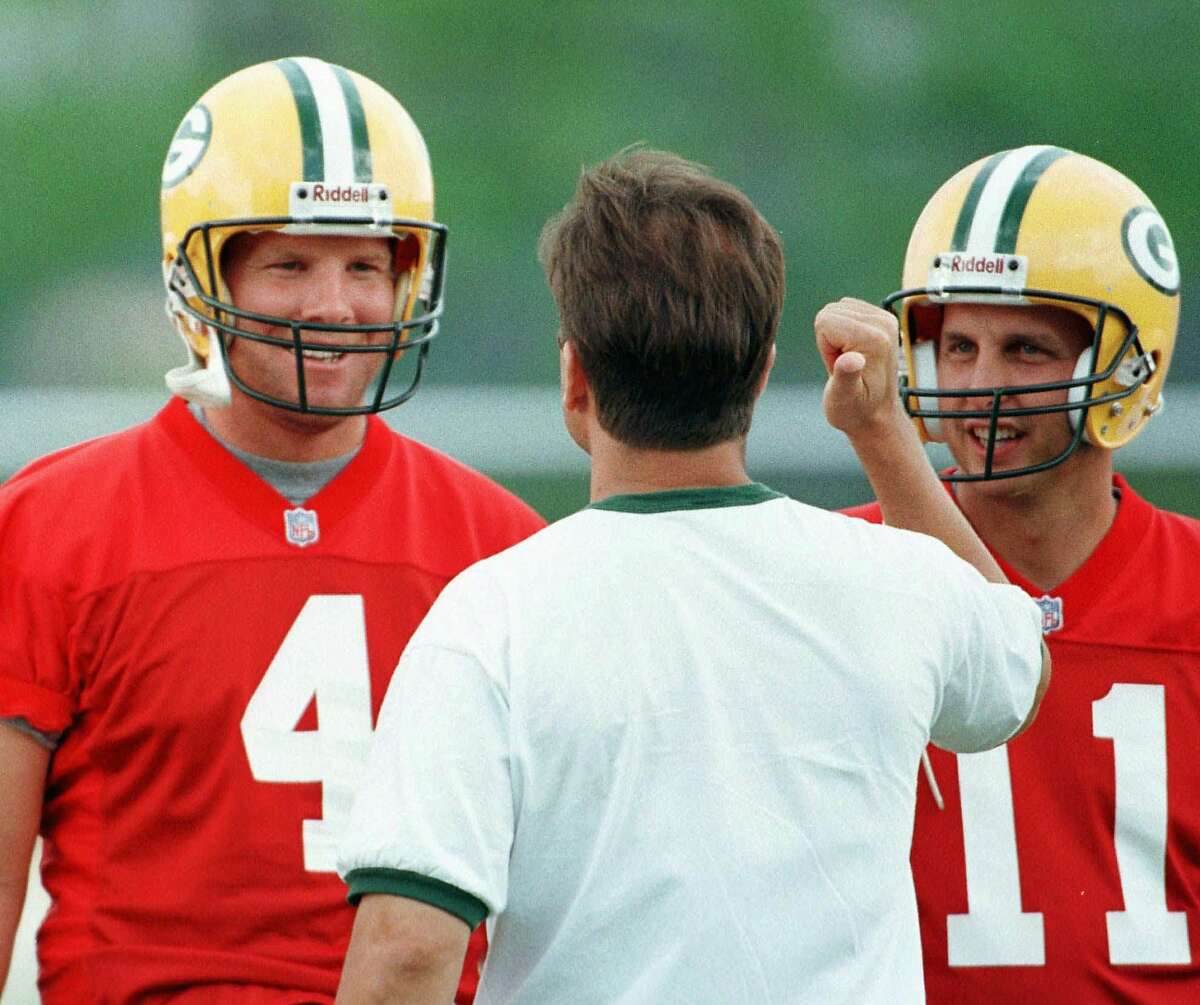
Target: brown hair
column 669, row 285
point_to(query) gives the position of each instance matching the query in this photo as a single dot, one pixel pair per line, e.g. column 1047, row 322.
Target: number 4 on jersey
column 322, row 658
column 995, row 931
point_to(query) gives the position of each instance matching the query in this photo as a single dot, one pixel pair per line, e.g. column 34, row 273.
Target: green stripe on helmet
column 962, row 227
column 363, row 170
column 1018, row 199
column 310, row 119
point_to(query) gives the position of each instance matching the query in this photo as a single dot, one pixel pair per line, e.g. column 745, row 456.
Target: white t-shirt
column 670, row 745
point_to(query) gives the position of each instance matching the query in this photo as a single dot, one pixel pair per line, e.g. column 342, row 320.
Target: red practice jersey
column 1066, row 864
column 216, row 658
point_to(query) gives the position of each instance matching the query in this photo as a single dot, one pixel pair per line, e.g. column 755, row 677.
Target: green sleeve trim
column 414, row 886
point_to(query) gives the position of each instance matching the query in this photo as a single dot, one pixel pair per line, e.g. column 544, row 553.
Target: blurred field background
column 839, row 119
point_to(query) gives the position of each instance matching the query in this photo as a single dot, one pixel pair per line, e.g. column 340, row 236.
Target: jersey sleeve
column 994, row 663
column 35, row 627
column 434, row 819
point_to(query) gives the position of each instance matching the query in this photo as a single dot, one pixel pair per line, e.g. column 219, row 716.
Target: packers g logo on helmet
column 1044, row 225
column 187, row 146
column 1150, row 249
column 302, row 147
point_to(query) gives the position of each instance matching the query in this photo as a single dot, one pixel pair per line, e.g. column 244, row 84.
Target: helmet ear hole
column 924, row 356
column 1079, row 393
column 406, row 252
column 925, row 321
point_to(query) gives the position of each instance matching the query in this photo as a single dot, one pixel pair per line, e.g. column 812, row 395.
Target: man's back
column 705, row 710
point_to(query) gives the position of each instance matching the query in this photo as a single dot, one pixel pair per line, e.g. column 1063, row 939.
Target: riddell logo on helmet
column 319, row 200
column 975, row 264
column 341, row 193
column 961, row 270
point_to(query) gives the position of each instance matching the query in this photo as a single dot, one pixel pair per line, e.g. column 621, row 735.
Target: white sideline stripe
column 990, row 210
column 519, row 430
column 335, row 120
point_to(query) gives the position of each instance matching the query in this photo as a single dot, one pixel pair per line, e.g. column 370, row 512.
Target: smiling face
column 310, row 279
column 988, row 346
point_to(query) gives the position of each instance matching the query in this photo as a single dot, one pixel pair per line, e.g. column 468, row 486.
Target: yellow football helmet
column 303, row 147
column 1043, row 225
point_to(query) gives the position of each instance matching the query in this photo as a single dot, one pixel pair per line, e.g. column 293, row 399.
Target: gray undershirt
column 296, row 481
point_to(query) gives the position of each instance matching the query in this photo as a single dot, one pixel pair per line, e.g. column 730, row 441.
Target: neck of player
column 267, row 431
column 1047, row 524
column 618, row 469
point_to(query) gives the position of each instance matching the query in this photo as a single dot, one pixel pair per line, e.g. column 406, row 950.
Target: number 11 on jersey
column 995, row 931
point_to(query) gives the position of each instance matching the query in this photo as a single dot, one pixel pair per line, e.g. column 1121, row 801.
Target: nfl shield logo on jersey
column 300, row 526
column 1052, row 612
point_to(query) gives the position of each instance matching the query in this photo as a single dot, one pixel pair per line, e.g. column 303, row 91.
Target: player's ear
column 576, row 394
column 766, row 373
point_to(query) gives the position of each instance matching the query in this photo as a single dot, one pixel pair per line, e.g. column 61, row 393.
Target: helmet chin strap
column 202, row 381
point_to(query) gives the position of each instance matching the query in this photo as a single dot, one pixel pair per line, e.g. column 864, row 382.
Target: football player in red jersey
column 198, row 616
column 1038, row 317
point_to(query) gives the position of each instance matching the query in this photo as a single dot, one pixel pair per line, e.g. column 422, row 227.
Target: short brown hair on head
column 669, row 284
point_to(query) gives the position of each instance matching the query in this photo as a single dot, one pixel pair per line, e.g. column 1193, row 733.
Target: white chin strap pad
column 1083, row 368
column 205, row 383
column 924, row 357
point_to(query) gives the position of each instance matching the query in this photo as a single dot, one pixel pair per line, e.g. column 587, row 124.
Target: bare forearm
column 380, row 978
column 402, row 952
column 911, row 496
column 857, row 342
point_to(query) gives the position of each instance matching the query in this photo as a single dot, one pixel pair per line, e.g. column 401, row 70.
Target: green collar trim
column 677, row 499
